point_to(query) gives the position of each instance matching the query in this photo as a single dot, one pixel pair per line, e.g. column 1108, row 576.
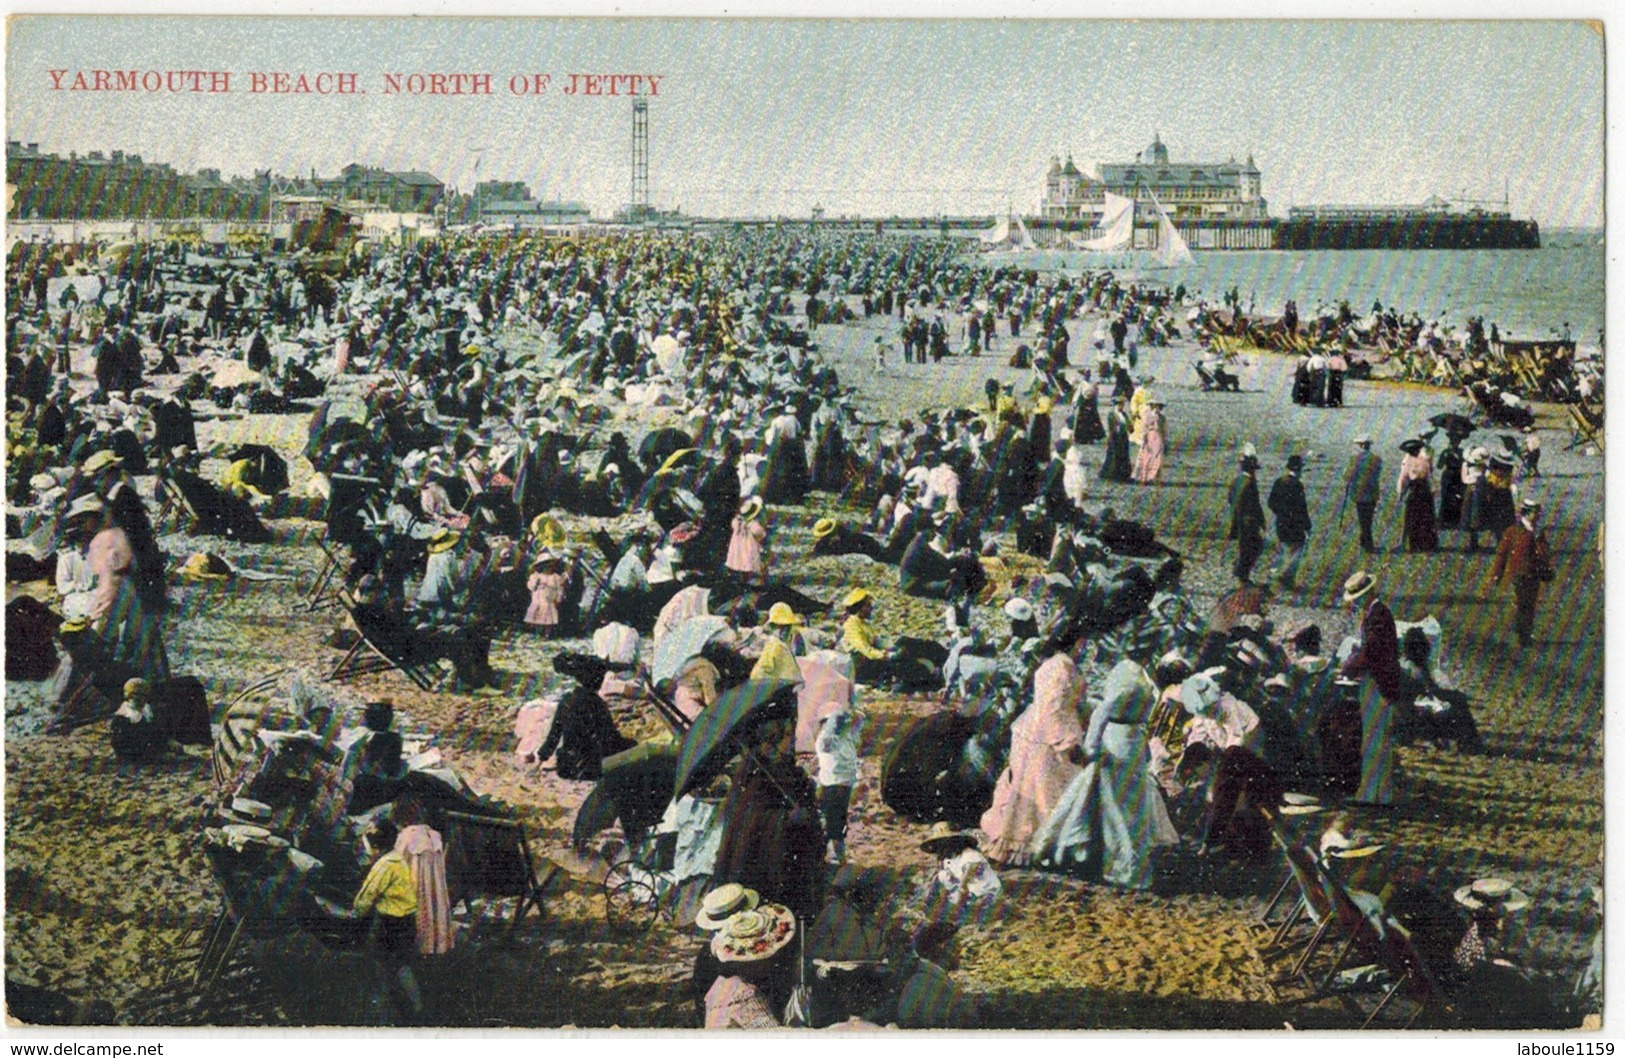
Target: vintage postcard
column 868, row 524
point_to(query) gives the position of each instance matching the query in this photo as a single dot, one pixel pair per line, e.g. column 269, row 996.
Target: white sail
column 998, row 234
column 1025, row 240
column 1171, row 248
column 1118, row 223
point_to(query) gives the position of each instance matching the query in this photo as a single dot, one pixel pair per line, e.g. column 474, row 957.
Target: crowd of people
column 1092, row 722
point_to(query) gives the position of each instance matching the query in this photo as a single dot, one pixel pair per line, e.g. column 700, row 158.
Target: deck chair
column 1359, row 927
column 174, row 509
column 490, row 856
column 1411, row 977
column 375, row 651
column 1313, row 904
column 1586, row 424
column 343, row 519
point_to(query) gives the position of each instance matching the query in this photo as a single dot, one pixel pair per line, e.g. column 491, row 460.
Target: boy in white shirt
column 837, row 748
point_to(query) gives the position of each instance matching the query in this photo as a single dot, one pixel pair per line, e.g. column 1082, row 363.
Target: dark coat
column 1378, row 656
column 1246, row 513
column 1291, row 509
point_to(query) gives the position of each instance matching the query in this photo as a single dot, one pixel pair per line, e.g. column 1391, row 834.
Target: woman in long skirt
column 1416, row 497
column 1112, row 816
column 1116, row 465
column 1086, row 428
column 1148, row 467
column 1044, row 747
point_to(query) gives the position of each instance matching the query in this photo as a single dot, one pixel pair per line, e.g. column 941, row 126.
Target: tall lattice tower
column 639, row 207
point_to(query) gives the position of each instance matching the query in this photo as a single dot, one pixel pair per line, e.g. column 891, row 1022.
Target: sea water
column 1527, row 293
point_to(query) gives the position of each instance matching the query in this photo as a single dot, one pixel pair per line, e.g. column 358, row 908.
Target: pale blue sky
column 763, row 117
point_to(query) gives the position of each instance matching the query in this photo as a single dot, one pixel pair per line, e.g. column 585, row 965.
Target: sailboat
column 1008, row 233
column 1171, row 249
column 1117, row 220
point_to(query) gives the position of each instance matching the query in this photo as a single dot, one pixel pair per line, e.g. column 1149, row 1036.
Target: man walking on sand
column 1525, row 554
column 1291, row 509
column 1246, row 516
column 1362, row 485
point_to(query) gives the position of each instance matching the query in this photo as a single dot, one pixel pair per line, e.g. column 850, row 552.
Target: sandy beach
column 106, row 883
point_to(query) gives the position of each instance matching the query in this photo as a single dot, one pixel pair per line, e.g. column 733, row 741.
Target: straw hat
column 750, row 508
column 855, row 598
column 822, row 528
column 84, row 505
column 755, row 935
column 672, row 460
column 1357, row 585
column 1364, row 440
column 1043, row 406
column 1353, row 847
column 100, row 461
column 781, row 614
column 444, row 540
column 1530, row 503
column 723, row 902
column 1495, row 894
column 548, row 531
column 137, row 690
column 943, row 840
column 206, row 566
column 74, row 624
column 1018, row 610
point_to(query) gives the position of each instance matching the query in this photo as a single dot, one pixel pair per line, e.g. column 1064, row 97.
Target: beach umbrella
column 682, row 642
column 710, row 742
column 1454, row 425
column 635, row 788
column 658, row 445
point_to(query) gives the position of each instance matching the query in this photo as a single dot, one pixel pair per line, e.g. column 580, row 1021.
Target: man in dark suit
column 1526, row 556
column 1291, row 509
column 1362, row 485
column 1246, row 516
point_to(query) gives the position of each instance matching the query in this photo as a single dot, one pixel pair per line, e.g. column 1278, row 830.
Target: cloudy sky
column 871, row 117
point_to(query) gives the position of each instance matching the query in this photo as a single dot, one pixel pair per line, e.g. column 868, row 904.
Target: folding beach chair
column 343, row 519
column 174, row 509
column 1411, row 977
column 490, row 856
column 379, row 649
column 1313, row 903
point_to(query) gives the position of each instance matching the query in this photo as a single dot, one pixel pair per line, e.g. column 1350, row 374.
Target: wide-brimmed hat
column 1363, row 440
column 1043, row 406
column 1018, row 610
column 101, row 460
column 781, row 614
column 856, row 597
column 203, row 565
column 548, row 531
column 942, row 839
column 1357, row 585
column 137, row 689
column 1530, row 503
column 1501, row 460
column 724, row 902
column 89, row 504
column 1352, row 847
column 1476, row 456
column 444, row 540
column 754, row 935
column 1495, row 894
column 1411, row 445
column 822, row 528
column 750, row 508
